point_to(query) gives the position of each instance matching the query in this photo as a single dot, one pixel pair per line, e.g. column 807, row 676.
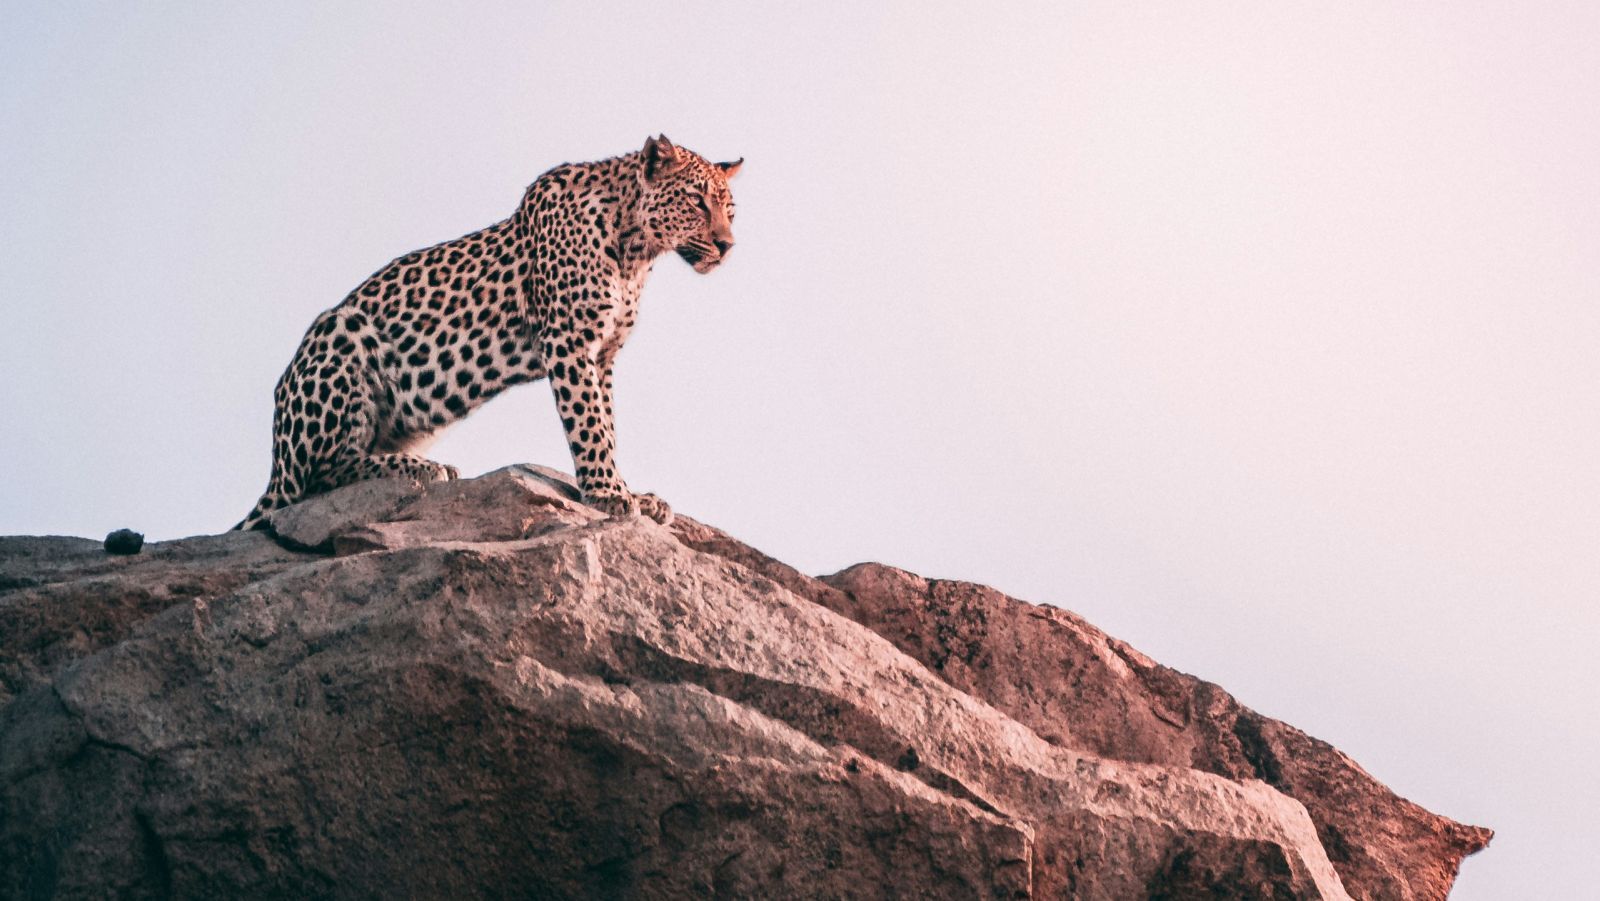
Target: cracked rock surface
column 483, row 688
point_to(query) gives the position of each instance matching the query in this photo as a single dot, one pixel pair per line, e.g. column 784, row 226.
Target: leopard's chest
column 613, row 320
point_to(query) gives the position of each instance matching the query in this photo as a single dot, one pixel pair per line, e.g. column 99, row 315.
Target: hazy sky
column 1264, row 335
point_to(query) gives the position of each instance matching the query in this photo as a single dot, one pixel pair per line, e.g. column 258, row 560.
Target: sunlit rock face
column 484, row 688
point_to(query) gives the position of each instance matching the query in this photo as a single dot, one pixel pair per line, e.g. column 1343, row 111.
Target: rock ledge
column 484, row 688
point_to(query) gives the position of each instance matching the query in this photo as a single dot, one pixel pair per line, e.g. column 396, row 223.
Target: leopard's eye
column 701, row 199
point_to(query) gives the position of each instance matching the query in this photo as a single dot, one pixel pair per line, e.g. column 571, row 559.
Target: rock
column 124, row 541
column 1102, row 696
column 484, row 687
column 388, row 514
column 63, row 599
column 1079, row 688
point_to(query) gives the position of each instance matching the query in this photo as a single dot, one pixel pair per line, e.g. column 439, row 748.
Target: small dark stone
column 124, row 541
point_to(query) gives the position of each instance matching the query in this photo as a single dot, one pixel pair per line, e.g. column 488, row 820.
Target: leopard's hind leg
column 272, row 499
column 358, row 468
column 351, row 460
column 370, row 444
column 335, row 423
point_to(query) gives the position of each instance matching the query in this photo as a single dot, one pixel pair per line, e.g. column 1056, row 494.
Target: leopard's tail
column 275, row 497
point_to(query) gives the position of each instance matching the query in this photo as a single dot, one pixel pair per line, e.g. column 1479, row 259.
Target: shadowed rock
column 483, row 687
column 124, row 541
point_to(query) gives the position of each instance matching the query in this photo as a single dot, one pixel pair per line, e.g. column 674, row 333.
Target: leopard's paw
column 655, row 508
column 423, row 471
column 612, row 504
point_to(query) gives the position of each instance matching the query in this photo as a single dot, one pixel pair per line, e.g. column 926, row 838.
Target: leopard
column 549, row 293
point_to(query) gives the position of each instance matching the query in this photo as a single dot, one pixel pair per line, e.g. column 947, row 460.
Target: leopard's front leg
column 650, row 505
column 583, row 398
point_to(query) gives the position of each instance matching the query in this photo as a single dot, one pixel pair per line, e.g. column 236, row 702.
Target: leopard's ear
column 729, row 170
column 661, row 158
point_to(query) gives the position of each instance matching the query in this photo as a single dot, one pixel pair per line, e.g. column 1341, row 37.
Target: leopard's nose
column 723, row 246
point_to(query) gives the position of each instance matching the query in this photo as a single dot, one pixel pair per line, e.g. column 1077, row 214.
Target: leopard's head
column 685, row 206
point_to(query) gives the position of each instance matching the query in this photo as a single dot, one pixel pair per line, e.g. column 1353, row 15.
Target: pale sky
column 1261, row 334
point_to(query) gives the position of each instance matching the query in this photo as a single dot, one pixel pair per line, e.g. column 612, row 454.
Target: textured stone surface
column 1078, row 687
column 484, row 688
column 62, row 599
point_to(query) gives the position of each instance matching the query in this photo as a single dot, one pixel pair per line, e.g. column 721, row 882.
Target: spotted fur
column 551, row 292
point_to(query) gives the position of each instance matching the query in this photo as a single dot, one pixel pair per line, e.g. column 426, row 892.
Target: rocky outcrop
column 484, row 688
